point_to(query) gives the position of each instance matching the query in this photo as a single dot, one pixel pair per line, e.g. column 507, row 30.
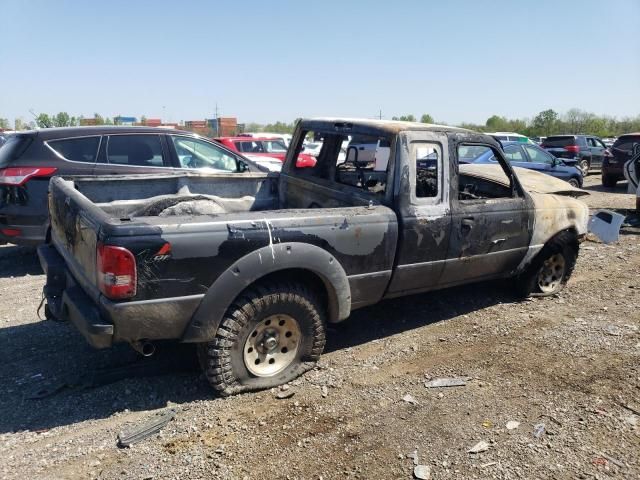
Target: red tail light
column 572, row 148
column 116, row 272
column 11, row 232
column 20, row 175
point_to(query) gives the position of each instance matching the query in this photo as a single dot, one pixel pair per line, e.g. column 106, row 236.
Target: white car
column 510, row 137
column 285, row 137
column 273, row 164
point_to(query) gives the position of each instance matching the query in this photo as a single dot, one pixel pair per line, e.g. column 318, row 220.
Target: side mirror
column 242, row 167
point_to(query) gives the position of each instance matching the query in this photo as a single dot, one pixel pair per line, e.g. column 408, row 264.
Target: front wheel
column 551, row 269
column 574, row 182
column 270, row 335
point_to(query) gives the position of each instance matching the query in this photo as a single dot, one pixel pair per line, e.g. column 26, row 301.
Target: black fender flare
column 255, row 265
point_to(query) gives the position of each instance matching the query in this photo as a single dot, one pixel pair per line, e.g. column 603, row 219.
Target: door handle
column 466, row 224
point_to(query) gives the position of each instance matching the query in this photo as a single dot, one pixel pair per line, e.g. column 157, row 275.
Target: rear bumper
column 29, row 235
column 104, row 322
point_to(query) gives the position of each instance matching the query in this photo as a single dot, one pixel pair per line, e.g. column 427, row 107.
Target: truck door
column 421, row 187
column 491, row 219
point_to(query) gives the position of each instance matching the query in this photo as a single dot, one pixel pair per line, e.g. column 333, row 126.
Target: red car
column 266, row 147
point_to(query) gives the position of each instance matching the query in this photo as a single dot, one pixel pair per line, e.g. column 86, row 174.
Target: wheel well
column 571, row 236
column 326, row 292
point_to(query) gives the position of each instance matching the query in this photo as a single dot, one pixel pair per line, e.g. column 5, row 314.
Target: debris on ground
column 282, row 394
column 538, row 430
column 447, row 382
column 605, row 224
column 512, row 425
column 324, row 391
column 616, row 462
column 488, row 464
column 613, row 330
column 147, row 428
column 409, row 399
column 479, row 447
column 414, row 456
column 487, row 424
column 422, row 472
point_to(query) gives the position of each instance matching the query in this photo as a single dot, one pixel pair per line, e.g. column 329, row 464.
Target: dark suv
column 588, row 151
column 29, row 159
column 621, row 152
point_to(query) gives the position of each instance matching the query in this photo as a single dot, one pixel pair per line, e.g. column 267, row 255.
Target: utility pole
column 380, row 115
column 217, row 122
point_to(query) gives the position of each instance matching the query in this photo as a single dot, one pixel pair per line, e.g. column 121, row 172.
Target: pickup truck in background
column 252, row 267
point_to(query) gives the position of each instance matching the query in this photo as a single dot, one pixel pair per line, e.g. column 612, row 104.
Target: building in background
column 88, row 122
column 224, row 126
column 120, row 120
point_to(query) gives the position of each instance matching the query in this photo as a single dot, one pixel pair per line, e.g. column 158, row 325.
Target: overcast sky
column 274, row 60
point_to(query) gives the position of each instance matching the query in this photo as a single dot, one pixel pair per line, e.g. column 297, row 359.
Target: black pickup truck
column 251, row 267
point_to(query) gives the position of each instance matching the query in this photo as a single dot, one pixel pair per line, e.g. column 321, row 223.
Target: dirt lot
column 571, row 362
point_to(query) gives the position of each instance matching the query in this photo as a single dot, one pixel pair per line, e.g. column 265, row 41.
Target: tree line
column 548, row 122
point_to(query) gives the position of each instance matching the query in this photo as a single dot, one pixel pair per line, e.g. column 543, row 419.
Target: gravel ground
column 567, row 367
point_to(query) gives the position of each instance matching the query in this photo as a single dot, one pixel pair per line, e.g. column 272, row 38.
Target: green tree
column 496, row 123
column 19, row 124
column 4, row 123
column 44, row 121
column 426, row 118
column 62, row 119
column 545, row 123
column 98, row 118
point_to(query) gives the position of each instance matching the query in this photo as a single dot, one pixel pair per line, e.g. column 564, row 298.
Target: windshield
column 625, row 144
column 473, row 153
column 274, row 146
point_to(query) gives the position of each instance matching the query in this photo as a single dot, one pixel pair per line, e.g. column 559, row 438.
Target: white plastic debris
column 481, row 446
column 409, row 399
column 606, row 224
column 512, row 425
column 446, row 382
column 422, row 472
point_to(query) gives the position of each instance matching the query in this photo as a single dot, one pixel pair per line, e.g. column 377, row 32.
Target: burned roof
column 387, row 126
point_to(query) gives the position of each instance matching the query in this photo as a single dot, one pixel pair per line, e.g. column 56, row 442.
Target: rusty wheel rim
column 551, row 273
column 272, row 345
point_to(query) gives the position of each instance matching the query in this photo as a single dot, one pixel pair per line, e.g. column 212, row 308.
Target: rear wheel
column 608, row 181
column 269, row 336
column 574, row 182
column 584, row 165
column 551, row 269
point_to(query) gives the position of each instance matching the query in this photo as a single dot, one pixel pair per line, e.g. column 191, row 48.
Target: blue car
column 530, row 156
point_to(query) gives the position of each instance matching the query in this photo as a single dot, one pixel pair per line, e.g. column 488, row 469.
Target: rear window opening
column 625, row 144
column 14, row 148
column 559, row 141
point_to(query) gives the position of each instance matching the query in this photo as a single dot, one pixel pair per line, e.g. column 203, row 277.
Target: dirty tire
column 574, row 182
column 560, row 250
column 609, row 182
column 583, row 165
column 224, row 359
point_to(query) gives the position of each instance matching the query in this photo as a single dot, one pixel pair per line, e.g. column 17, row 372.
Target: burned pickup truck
column 252, row 267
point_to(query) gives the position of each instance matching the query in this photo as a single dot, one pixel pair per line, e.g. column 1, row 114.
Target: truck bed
column 210, row 222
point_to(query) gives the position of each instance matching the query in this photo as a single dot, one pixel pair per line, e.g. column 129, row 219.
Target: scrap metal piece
column 605, row 224
column 447, row 382
column 150, row 426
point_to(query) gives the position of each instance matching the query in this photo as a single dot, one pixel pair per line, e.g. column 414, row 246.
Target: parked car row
column 29, row 159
